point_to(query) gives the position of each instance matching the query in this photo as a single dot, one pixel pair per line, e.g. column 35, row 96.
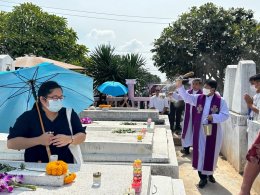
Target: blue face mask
column 54, row 105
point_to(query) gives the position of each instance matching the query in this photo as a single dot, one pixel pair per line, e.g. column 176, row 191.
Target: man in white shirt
column 254, row 103
column 158, row 102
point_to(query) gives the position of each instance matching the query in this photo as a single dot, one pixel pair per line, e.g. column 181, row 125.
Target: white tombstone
column 6, row 63
column 230, row 76
column 245, row 69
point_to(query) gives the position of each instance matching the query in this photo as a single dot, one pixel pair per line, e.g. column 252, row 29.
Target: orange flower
column 69, row 178
column 56, row 168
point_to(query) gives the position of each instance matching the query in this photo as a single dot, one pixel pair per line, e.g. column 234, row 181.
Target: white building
column 6, row 63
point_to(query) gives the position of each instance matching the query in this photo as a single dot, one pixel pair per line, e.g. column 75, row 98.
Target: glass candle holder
column 96, row 179
column 129, row 191
column 53, row 157
column 139, row 137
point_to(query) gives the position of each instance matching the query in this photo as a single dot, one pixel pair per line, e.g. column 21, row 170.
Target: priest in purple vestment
column 210, row 109
column 187, row 130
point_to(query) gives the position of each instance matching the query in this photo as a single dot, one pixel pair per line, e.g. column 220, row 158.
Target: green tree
column 105, row 65
column 206, row 40
column 134, row 68
column 29, row 30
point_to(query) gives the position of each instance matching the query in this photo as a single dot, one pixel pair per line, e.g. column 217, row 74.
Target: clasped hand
column 59, row 140
column 248, row 99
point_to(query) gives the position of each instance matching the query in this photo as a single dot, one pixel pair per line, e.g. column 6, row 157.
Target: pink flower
column 86, row 120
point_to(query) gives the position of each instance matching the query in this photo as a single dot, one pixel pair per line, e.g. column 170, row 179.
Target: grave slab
column 125, row 148
column 121, row 115
column 109, row 125
column 114, row 180
column 166, row 186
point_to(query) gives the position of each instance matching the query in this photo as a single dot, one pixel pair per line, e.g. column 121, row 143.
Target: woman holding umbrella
column 27, row 130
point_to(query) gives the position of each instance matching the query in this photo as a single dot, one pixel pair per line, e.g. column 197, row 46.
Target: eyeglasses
column 55, row 98
column 157, row 90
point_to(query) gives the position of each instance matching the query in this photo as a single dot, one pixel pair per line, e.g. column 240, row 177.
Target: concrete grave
column 235, row 140
column 230, row 76
column 166, row 186
column 245, row 69
column 110, row 125
column 114, row 180
column 121, row 115
column 106, row 146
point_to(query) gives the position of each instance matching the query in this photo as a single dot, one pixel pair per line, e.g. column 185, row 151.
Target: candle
column 53, row 157
column 138, row 162
column 96, row 179
column 149, row 121
column 139, row 137
column 137, row 185
column 129, row 191
column 143, row 130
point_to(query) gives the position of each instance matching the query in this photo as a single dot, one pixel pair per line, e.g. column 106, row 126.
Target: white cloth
column 158, row 103
column 217, row 118
column 188, row 140
column 256, row 102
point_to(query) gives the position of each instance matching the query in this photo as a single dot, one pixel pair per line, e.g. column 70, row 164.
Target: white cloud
column 102, row 35
column 132, row 46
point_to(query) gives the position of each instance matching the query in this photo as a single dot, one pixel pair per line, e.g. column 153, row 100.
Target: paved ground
column 228, row 180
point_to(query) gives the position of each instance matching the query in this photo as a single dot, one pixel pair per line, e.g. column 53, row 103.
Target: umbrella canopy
column 29, row 61
column 112, row 88
column 16, row 89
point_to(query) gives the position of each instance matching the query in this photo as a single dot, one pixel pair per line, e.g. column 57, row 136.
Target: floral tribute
column 104, row 106
column 57, row 168
column 8, row 182
column 86, row 120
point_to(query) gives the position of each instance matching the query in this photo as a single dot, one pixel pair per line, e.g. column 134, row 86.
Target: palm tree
column 105, row 65
column 132, row 64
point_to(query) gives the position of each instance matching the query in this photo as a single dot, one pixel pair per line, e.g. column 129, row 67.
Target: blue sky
column 126, row 36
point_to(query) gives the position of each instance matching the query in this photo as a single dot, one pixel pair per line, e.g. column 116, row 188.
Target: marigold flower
column 56, row 168
column 69, row 178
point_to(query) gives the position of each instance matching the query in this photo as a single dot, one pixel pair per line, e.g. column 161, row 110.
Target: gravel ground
column 228, row 180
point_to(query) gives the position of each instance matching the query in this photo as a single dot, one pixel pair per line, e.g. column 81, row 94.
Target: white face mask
column 206, row 91
column 54, row 105
column 252, row 87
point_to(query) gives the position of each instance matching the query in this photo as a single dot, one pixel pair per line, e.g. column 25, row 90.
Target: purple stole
column 210, row 140
column 187, row 115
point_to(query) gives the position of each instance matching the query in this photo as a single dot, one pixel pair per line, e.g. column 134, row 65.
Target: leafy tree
column 29, row 30
column 105, row 65
column 206, row 40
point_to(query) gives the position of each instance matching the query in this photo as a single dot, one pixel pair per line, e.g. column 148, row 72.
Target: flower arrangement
column 86, row 120
column 128, row 123
column 8, row 182
column 58, row 168
column 123, row 131
column 69, row 178
column 104, row 106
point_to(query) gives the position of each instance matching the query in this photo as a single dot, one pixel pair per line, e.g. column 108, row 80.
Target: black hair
column 47, row 87
column 211, row 83
column 252, row 78
column 197, row 80
column 255, row 77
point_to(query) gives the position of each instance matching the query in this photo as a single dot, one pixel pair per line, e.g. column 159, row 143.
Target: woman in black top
column 27, row 133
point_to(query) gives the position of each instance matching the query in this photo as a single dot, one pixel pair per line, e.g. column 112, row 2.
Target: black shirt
column 28, row 125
